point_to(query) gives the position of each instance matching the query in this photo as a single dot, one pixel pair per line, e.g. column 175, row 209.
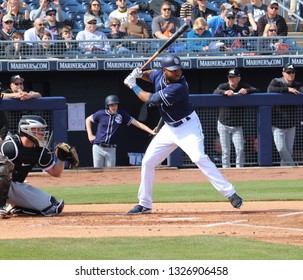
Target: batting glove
column 130, row 81
column 137, row 73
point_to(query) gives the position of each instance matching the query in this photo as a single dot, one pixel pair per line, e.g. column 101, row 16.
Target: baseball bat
column 143, row 112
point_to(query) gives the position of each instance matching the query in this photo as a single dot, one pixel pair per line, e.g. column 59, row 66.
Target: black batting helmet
column 111, row 99
column 171, row 62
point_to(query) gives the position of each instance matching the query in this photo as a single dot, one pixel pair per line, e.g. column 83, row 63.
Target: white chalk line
column 290, row 214
column 269, row 227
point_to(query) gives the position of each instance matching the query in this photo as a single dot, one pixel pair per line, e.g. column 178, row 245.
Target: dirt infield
column 277, row 222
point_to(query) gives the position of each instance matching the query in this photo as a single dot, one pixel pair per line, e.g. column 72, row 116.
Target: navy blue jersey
column 25, row 158
column 171, row 99
column 108, row 125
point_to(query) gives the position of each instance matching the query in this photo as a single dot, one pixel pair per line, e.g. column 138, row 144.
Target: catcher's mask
column 34, row 128
column 111, row 99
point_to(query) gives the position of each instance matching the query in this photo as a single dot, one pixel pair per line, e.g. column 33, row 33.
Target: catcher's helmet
column 111, row 99
column 171, row 62
column 33, row 127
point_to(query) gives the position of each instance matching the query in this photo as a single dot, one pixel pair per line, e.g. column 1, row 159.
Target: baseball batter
column 25, row 150
column 182, row 129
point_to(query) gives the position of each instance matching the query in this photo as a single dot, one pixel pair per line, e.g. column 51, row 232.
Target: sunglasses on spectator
column 230, row 17
column 166, row 9
column 122, row 0
column 291, row 72
column 18, row 84
column 274, row 8
column 272, row 30
column 92, row 22
column 115, row 25
column 51, row 14
column 9, row 22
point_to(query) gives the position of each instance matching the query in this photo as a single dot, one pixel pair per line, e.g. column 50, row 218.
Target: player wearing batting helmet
column 182, row 129
column 108, row 121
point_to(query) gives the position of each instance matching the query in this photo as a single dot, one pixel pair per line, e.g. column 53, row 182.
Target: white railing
column 134, row 48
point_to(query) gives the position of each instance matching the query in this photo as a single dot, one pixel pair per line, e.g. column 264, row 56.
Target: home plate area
column 274, row 222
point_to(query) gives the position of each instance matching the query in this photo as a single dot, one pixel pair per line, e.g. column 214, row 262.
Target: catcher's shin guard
column 54, row 209
column 6, row 168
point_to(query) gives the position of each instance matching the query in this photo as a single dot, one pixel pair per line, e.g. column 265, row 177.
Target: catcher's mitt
column 66, row 152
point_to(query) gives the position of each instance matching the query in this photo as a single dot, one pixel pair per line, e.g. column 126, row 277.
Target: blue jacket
column 197, row 45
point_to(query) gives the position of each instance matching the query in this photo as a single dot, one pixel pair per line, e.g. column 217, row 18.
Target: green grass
column 189, row 192
column 159, row 248
column 143, row 248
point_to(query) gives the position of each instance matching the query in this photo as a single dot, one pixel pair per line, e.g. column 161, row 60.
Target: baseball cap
column 233, row 72
column 241, row 14
column 289, row 68
column 50, row 10
column 7, row 17
column 230, row 13
column 88, row 19
column 16, row 77
column 273, row 2
column 171, row 62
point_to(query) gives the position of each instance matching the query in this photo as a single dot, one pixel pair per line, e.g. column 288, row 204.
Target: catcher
column 25, row 150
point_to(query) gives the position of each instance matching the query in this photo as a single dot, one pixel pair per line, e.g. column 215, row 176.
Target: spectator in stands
column 267, row 45
column 116, row 46
column 199, row 31
column 165, row 25
column 121, row 11
column 44, row 6
column 215, row 21
column 242, row 23
column 94, row 9
column 285, row 118
column 35, row 33
column 272, row 16
column 17, row 49
column 229, row 29
column 154, row 7
column 52, row 23
column 7, row 28
column 231, row 119
column 91, row 33
column 135, row 29
column 20, row 14
column 46, row 48
column 7, row 31
column 202, row 11
column 67, row 47
column 16, row 90
column 254, row 11
column 187, row 9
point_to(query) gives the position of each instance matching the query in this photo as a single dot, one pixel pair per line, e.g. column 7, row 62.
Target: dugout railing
column 52, row 109
column 260, row 149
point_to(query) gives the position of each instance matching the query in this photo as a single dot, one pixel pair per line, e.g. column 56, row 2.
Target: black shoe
column 235, row 200
column 138, row 209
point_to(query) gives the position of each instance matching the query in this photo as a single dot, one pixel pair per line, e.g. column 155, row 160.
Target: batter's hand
column 137, row 73
column 130, row 81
